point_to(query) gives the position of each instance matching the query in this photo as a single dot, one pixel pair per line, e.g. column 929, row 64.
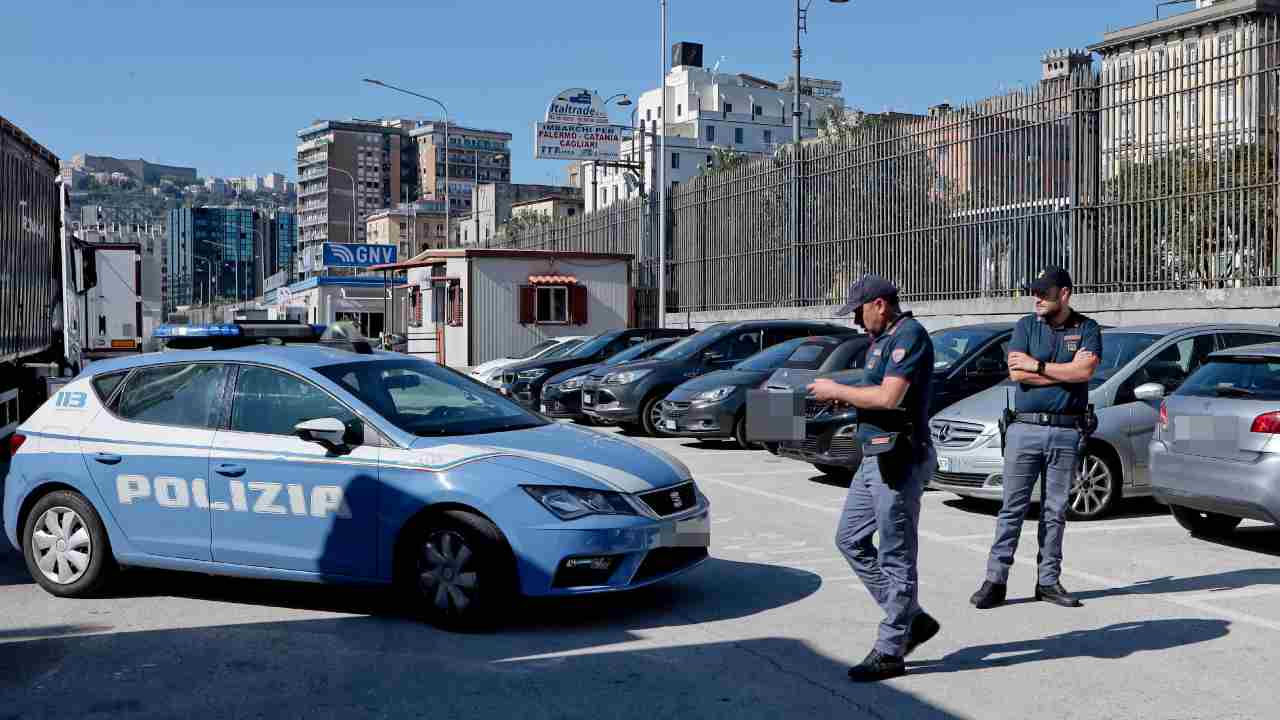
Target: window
column 572, row 212
column 271, row 402
column 1240, row 339
column 675, row 161
column 182, row 395
column 104, row 385
column 1190, row 109
column 553, row 305
column 1226, row 106
column 768, row 137
column 737, row 135
column 1191, row 59
column 738, row 346
column 1124, row 129
column 648, row 114
column 1169, row 367
column 728, row 107
column 679, row 110
column 1159, row 116
column 1159, row 62
column 1228, row 377
column 757, row 110
column 711, row 133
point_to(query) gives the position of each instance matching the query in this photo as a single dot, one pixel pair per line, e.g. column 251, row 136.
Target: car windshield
column 564, row 349
column 1118, row 349
column 533, row 351
column 427, row 400
column 1247, row 378
column 693, row 343
column 593, row 345
column 952, row 345
column 809, row 355
column 772, row 358
column 643, row 350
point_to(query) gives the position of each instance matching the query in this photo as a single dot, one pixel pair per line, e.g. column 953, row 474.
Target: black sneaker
column 923, row 628
column 989, row 595
column 1057, row 595
column 877, row 666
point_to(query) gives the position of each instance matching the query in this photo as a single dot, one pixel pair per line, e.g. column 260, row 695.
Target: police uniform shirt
column 904, row 350
column 1036, row 337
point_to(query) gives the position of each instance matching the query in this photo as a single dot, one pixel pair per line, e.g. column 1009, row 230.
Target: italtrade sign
column 577, row 128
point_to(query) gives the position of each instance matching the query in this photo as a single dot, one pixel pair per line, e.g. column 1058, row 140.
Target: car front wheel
column 1202, row 522
column 1095, row 489
column 66, row 546
column 459, row 571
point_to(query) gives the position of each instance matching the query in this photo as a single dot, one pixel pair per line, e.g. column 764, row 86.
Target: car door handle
column 230, row 470
column 106, row 458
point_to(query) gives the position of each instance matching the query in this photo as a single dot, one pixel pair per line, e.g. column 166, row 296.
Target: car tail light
column 1269, row 423
column 1164, row 416
column 15, row 442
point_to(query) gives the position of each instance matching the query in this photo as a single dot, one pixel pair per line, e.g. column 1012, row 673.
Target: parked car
column 490, row 373
column 715, row 405
column 1215, row 456
column 524, row 380
column 967, row 359
column 562, row 393
column 1115, row 463
column 629, row 396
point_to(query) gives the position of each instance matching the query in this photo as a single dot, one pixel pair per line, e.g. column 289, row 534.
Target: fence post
column 1084, row 163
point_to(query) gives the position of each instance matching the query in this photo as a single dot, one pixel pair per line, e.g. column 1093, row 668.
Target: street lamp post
column 448, row 208
column 662, row 173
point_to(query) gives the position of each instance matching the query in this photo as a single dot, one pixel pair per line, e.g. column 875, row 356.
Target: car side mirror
column 1149, row 392
column 329, row 432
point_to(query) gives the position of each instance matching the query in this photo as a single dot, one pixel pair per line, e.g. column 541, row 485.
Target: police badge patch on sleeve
column 898, row 355
column 1073, row 343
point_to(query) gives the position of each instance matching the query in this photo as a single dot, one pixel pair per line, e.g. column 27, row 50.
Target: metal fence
column 1156, row 171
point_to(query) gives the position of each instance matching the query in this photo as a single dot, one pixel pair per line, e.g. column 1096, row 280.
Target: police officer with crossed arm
column 884, row 496
column 1052, row 356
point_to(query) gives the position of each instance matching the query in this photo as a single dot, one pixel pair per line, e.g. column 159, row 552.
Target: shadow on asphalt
column 1260, row 539
column 1106, row 643
column 1126, row 509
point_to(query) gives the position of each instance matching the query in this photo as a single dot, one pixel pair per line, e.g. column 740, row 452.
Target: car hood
column 573, row 372
column 560, row 454
column 719, row 378
column 486, row 367
column 985, row 407
column 649, row 364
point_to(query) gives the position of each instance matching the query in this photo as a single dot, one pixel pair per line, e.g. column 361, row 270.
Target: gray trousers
column 893, row 509
column 1028, row 450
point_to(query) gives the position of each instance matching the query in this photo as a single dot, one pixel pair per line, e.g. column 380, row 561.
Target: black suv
column 629, row 394
column 524, row 380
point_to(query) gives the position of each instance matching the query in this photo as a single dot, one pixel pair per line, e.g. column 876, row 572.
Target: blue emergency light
column 177, row 336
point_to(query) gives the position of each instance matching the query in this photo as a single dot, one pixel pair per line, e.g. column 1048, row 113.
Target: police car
column 269, row 451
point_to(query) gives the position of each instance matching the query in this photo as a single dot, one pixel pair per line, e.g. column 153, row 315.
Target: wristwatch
column 1039, row 367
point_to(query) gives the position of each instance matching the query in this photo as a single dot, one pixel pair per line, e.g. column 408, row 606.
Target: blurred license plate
column 944, row 464
column 546, row 408
column 775, row 416
column 588, row 398
column 669, row 425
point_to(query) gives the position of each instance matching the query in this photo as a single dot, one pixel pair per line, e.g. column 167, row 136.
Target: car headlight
column 993, row 439
column 624, row 377
column 531, row 374
column 573, row 383
column 716, row 395
column 568, row 503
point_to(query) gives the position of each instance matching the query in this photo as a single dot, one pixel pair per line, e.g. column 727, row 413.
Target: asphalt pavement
column 1172, row 627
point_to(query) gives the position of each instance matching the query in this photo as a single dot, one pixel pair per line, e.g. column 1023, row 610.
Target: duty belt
column 1049, row 419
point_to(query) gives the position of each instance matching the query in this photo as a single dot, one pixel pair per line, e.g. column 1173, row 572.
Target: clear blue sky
column 224, row 85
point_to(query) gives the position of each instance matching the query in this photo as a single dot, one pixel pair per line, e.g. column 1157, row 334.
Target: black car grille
column 676, row 409
column 960, row 479
column 672, row 500
column 843, row 447
column 661, row 561
column 812, row 408
column 509, row 378
column 954, row 433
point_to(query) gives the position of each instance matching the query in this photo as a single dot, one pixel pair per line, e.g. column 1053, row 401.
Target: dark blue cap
column 865, row 289
column 1050, row 277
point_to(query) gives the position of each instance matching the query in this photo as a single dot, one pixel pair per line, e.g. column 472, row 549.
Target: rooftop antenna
column 716, row 68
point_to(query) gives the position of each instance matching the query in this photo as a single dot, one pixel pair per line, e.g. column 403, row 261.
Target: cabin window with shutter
column 456, row 305
column 553, row 305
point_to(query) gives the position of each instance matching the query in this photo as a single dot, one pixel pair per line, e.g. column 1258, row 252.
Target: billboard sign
column 577, row 106
column 357, row 255
column 576, row 141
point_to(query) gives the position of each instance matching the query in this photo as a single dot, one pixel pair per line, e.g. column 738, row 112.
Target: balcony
column 313, row 190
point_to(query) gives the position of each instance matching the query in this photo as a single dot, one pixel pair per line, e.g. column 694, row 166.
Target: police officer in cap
column 884, row 496
column 1052, row 356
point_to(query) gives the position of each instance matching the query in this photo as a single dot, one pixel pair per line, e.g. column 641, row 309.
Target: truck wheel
column 458, row 571
column 1203, row 523
column 66, row 546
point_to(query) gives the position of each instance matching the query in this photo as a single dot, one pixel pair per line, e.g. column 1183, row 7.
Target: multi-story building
column 279, row 240
column 491, row 208
column 1192, row 81
column 551, row 207
column 275, row 182
column 346, row 171
column 707, row 109
column 213, row 255
column 413, row 227
column 476, row 157
column 139, row 170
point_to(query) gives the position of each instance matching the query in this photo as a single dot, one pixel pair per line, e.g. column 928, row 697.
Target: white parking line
column 1075, row 529
column 1194, row 602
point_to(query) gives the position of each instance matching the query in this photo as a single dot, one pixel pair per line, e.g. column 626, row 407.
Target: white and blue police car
column 269, row 451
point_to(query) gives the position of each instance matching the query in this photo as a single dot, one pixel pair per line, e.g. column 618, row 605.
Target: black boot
column 923, row 628
column 877, row 666
column 989, row 595
column 1057, row 595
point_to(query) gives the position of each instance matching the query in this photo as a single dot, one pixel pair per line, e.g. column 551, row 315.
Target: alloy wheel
column 61, row 545
column 1092, row 487
column 444, row 574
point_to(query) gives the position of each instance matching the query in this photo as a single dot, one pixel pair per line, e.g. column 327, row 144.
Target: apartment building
column 1192, row 81
column 707, row 109
column 492, row 206
column 476, row 156
column 551, row 207
column 413, row 227
column 348, row 170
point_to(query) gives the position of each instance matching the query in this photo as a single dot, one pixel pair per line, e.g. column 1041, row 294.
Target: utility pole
column 662, row 175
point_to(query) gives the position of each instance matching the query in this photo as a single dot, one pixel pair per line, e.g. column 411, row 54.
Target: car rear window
column 1249, row 378
column 808, row 356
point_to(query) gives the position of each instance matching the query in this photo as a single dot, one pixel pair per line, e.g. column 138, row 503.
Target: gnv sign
column 356, row 255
